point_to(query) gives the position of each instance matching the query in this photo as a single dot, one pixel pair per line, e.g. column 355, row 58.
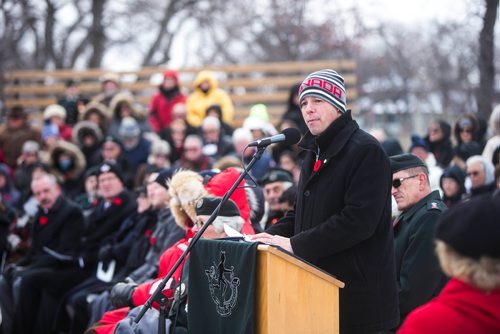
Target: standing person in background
column 438, row 138
column 206, row 92
column 73, row 102
column 418, row 273
column 216, row 111
column 110, row 87
column 163, row 101
column 480, row 176
column 88, row 137
column 420, row 148
column 124, row 105
column 215, row 143
column 14, row 133
column 241, row 138
column 467, row 136
column 56, row 114
column 98, row 114
column 192, row 155
column 67, row 163
column 292, row 111
column 26, row 163
column 452, row 183
column 494, row 142
column 342, row 220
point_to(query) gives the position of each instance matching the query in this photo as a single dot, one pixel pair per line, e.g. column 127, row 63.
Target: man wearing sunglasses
column 419, row 275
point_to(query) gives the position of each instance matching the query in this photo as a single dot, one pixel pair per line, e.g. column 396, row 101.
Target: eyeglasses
column 396, row 183
column 474, row 173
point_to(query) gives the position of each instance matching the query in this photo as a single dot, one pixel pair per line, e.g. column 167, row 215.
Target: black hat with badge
column 405, row 161
column 110, row 167
column 276, row 175
column 472, row 227
column 163, row 176
column 206, row 206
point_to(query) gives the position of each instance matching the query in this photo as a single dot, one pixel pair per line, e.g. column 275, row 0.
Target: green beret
column 276, row 175
column 405, row 161
column 207, row 205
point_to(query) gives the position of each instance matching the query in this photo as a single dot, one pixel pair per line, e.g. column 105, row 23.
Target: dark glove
column 105, row 255
column 10, row 272
column 121, row 294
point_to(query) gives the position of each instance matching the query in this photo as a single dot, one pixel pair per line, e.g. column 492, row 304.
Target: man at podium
column 341, row 222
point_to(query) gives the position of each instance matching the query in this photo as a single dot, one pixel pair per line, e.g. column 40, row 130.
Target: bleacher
column 267, row 83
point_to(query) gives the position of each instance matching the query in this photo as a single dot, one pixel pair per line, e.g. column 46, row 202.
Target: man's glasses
column 474, row 173
column 396, row 183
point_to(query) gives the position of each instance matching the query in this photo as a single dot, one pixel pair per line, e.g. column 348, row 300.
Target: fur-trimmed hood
column 185, row 188
column 101, row 110
column 83, row 127
column 74, row 152
column 125, row 97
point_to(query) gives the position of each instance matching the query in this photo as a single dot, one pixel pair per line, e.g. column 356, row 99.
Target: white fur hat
column 186, row 188
column 54, row 110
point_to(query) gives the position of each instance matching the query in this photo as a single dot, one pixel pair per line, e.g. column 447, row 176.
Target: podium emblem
column 223, row 286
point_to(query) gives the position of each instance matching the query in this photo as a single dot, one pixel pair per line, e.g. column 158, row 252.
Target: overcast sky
column 415, row 12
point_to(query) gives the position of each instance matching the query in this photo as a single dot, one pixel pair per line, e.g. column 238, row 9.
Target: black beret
column 405, row 161
column 110, row 167
column 276, row 175
column 163, row 176
column 472, row 227
column 207, row 205
column 92, row 171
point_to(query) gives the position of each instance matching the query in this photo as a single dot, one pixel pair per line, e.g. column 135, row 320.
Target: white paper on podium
column 106, row 276
column 232, row 233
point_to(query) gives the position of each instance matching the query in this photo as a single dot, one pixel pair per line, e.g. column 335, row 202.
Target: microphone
column 289, row 136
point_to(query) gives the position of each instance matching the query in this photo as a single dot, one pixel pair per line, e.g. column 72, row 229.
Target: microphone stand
column 157, row 295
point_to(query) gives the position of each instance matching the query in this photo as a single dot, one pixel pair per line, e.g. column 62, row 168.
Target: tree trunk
column 486, row 60
column 98, row 37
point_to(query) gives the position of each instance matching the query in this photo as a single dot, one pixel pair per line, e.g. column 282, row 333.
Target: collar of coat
column 58, row 204
column 432, row 196
column 333, row 139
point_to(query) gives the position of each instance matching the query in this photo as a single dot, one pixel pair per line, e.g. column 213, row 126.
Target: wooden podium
column 293, row 296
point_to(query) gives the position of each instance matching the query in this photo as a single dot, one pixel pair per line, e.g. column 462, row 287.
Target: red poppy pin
column 317, row 165
column 148, row 233
column 43, row 220
column 95, row 202
column 152, row 241
column 117, row 201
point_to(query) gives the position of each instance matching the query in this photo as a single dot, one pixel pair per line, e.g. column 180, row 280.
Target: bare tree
column 276, row 30
column 486, row 59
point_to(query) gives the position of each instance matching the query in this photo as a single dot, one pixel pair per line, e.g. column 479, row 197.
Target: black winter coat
column 342, row 223
column 419, row 276
column 59, row 229
column 102, row 223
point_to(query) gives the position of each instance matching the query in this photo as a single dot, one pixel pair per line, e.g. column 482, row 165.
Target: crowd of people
column 99, row 203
